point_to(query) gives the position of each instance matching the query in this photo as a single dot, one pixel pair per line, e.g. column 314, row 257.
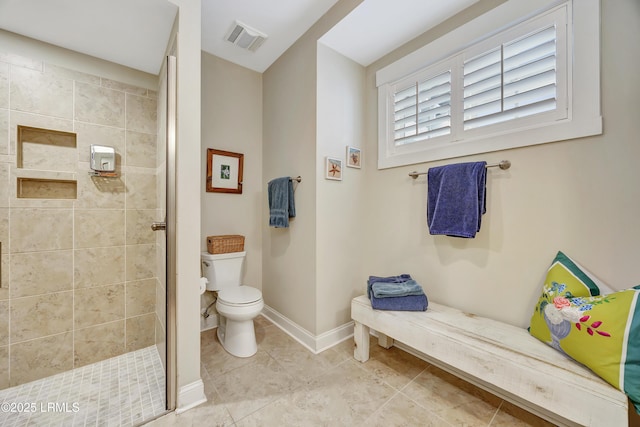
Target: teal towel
column 281, row 203
column 391, row 279
column 387, row 290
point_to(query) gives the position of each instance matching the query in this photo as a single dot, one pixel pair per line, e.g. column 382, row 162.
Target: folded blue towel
column 456, row 199
column 281, row 202
column 386, row 290
column 390, row 279
column 408, row 303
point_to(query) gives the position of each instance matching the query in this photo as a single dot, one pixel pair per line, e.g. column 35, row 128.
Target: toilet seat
column 239, row 295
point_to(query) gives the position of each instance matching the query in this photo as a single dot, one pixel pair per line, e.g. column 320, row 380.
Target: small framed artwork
column 333, row 169
column 354, row 157
column 224, row 171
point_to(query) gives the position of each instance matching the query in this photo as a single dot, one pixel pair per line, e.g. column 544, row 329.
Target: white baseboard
column 335, row 336
column 313, row 343
column 190, row 396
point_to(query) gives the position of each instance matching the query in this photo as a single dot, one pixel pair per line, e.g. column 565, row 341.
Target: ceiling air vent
column 245, row 37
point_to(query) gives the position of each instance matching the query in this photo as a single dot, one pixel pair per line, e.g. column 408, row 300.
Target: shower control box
column 103, row 158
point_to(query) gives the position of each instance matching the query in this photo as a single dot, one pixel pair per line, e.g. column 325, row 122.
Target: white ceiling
column 378, row 27
column 283, row 21
column 138, row 37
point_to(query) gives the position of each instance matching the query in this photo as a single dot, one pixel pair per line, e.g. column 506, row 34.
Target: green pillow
column 566, row 278
column 601, row 332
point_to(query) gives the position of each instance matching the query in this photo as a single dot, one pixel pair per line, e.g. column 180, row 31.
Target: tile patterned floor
column 122, row 391
column 286, row 385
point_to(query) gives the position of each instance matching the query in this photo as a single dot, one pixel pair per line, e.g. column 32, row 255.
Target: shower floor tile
column 122, row 391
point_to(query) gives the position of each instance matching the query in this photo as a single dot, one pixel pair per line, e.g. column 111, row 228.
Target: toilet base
column 238, row 337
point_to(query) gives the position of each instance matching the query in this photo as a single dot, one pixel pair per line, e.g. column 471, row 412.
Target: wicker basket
column 225, row 244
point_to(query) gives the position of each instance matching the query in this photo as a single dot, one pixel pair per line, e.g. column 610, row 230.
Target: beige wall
column 289, row 138
column 578, row 196
column 232, row 121
column 340, row 204
column 288, row 262
column 79, row 279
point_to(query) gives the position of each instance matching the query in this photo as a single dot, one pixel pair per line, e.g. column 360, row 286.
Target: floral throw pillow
column 566, row 278
column 600, row 331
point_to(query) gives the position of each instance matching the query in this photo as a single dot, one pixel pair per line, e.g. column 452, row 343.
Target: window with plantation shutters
column 516, row 79
column 508, row 89
column 423, row 110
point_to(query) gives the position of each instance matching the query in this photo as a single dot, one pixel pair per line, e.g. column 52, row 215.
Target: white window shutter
column 518, row 79
column 423, row 110
column 478, row 89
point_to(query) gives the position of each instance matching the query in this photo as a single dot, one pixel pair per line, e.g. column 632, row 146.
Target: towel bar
column 297, row 178
column 504, row 165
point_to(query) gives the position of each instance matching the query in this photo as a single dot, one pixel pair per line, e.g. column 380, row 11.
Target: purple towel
column 408, row 303
column 390, row 279
column 456, row 199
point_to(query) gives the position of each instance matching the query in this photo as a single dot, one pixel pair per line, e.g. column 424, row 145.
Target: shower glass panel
column 83, row 288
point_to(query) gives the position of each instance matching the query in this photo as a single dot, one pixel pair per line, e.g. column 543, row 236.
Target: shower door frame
column 170, row 233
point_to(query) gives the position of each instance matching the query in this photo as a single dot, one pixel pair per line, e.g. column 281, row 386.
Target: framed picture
column 333, row 169
column 354, row 157
column 224, row 171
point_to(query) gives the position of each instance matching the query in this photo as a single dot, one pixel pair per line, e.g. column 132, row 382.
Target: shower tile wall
column 79, row 281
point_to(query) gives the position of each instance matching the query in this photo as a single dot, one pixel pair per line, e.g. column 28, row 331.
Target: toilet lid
column 239, row 295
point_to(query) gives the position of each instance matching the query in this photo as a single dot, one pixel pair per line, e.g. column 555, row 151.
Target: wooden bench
column 503, row 359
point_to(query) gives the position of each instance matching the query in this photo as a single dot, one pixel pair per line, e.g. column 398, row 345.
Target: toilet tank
column 222, row 270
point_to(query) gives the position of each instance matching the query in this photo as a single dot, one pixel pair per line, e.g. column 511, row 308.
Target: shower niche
column 45, row 159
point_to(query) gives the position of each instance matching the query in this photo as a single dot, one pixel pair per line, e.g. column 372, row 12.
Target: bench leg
column 385, row 341
column 361, row 338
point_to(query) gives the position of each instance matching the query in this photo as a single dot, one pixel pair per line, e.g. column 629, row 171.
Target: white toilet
column 237, row 304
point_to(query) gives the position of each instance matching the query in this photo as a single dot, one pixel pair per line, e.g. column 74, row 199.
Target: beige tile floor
column 284, row 384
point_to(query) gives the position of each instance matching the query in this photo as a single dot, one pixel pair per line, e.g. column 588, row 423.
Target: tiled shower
column 82, row 271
